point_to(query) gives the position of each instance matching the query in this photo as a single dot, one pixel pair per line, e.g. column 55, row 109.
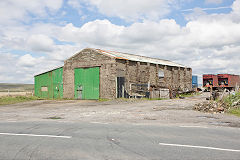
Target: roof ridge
column 134, row 55
column 113, row 53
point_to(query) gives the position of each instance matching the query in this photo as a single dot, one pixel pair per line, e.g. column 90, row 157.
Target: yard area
column 165, row 112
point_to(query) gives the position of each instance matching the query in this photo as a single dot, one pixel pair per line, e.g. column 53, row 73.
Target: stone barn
column 95, row 73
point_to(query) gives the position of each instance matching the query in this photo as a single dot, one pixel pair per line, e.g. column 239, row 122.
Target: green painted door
column 86, row 83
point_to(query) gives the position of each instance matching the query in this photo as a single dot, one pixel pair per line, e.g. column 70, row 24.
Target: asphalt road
column 59, row 140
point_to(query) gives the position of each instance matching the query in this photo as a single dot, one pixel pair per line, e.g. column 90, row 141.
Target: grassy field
column 11, row 89
column 16, row 87
column 17, row 99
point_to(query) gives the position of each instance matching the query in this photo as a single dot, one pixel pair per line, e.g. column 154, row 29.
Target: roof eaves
column 48, row 71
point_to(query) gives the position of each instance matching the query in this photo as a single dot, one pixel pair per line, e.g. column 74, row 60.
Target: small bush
column 232, row 99
column 233, row 103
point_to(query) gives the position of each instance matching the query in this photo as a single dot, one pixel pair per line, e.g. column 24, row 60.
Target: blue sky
column 39, row 35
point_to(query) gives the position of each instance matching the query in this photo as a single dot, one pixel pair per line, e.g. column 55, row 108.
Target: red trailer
column 210, row 80
column 228, row 81
column 221, row 81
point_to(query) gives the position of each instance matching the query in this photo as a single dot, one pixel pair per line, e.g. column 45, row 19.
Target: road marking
column 201, row 147
column 193, row 126
column 34, row 135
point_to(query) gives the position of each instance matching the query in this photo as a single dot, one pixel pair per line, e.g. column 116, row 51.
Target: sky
column 38, row 35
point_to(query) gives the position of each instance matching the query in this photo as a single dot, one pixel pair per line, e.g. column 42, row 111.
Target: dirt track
column 175, row 111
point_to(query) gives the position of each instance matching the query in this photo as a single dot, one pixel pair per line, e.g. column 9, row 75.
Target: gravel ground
column 174, row 111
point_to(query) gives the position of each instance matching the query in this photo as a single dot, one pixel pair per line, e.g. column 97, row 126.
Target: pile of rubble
column 226, row 101
column 211, row 107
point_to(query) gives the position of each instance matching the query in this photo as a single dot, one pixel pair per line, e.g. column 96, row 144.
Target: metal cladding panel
column 57, row 82
column 194, row 79
column 138, row 58
column 212, row 77
column 86, row 82
column 41, row 81
column 49, row 85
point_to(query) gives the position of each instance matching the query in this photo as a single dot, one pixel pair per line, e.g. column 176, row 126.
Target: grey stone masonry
column 177, row 78
column 90, row 58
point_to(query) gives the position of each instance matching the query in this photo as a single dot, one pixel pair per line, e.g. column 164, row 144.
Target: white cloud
column 97, row 32
column 166, row 33
column 40, row 43
column 18, row 10
column 27, row 61
column 213, row 1
column 130, row 10
column 133, row 9
column 209, row 43
column 75, row 4
column 62, row 52
column 236, row 7
column 21, row 69
column 196, row 13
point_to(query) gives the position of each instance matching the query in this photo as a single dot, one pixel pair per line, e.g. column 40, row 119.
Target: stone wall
column 181, row 78
column 141, row 73
column 134, row 72
column 188, row 78
column 90, row 58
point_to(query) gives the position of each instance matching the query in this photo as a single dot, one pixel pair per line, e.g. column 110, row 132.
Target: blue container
column 194, row 81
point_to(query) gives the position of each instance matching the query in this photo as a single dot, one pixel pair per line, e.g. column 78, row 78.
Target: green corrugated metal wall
column 53, row 80
column 86, row 82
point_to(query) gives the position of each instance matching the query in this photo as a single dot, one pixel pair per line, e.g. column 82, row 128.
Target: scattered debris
column 208, row 117
column 211, row 107
column 236, row 103
column 149, row 118
column 220, row 102
column 220, row 123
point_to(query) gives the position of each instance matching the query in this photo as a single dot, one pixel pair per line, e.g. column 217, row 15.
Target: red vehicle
column 228, row 81
column 220, row 81
column 210, row 80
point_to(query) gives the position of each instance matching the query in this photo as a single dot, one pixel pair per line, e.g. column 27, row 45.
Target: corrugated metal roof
column 48, row 71
column 132, row 57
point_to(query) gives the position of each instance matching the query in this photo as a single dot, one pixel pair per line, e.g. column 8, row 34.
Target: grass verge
column 103, row 100
column 153, row 99
column 233, row 103
column 235, row 111
column 17, row 99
